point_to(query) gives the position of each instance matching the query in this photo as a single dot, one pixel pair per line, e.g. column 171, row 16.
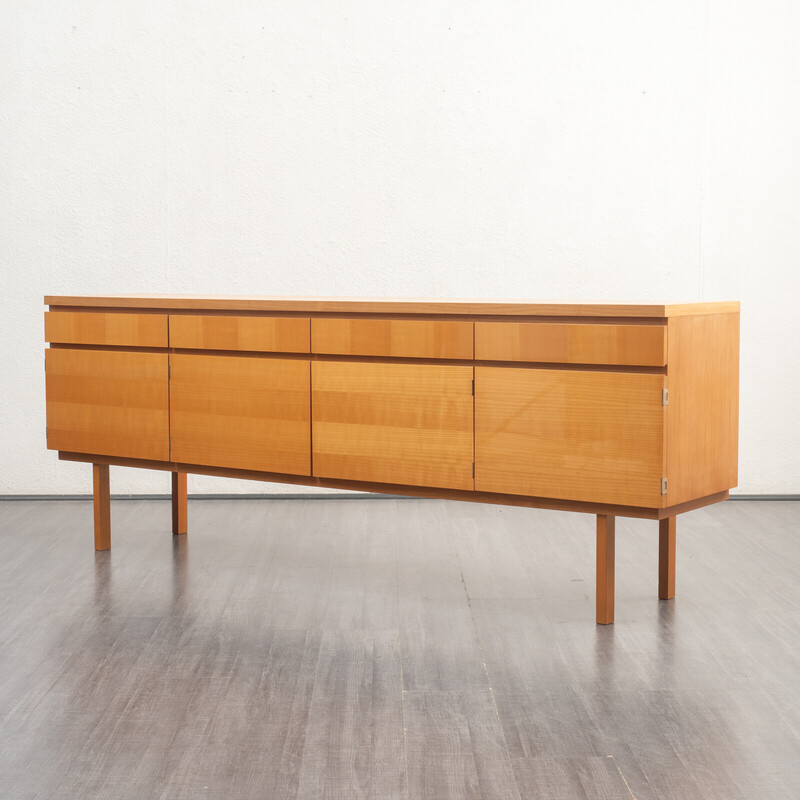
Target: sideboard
column 612, row 410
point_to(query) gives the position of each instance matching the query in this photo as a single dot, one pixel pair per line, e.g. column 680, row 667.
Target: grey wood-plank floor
column 394, row 649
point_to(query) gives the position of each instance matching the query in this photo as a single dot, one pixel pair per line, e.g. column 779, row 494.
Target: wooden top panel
column 349, row 305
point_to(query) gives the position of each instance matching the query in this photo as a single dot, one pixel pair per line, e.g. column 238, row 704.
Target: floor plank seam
column 614, row 762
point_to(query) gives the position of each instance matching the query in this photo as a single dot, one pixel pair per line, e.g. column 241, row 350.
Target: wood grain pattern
column 108, row 403
column 395, row 423
column 469, row 496
column 629, row 345
column 666, row 557
column 592, row 436
column 101, row 497
column 94, row 327
column 392, row 337
column 604, row 587
column 180, row 510
column 353, row 305
column 257, row 334
column 239, row 411
column 703, row 411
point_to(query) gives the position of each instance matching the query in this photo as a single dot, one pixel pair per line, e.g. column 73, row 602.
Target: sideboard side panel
column 108, row 402
column 241, row 412
column 703, row 409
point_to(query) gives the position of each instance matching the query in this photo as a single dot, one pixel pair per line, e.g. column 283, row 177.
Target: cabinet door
column 407, row 424
column 241, row 412
column 568, row 434
column 108, row 403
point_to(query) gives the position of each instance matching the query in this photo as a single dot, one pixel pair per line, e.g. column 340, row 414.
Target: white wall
column 641, row 151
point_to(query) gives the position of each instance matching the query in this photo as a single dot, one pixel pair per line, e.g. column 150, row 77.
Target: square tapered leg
column 605, row 569
column 102, row 507
column 666, row 558
column 180, row 511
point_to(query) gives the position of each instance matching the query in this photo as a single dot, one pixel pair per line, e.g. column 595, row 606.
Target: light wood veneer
column 594, row 436
column 136, row 330
column 108, row 402
column 241, row 412
column 234, row 332
column 393, row 423
column 392, row 337
column 635, row 345
column 610, row 409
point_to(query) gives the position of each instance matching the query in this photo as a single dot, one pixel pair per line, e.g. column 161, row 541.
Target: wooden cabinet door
column 241, row 412
column 108, row 403
column 570, row 434
column 406, row 424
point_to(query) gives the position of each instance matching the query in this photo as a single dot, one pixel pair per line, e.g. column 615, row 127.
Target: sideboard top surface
column 347, row 305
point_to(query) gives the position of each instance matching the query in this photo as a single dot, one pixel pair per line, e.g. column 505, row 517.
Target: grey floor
column 394, row 649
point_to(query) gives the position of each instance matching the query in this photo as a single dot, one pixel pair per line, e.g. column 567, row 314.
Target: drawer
column 572, row 343
column 89, row 327
column 392, row 337
column 231, row 332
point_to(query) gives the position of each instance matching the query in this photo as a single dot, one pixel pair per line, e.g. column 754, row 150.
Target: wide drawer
column 397, row 338
column 95, row 327
column 572, row 343
column 231, row 332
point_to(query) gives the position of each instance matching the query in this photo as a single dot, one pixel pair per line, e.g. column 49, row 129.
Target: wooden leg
column 102, row 507
column 180, row 512
column 666, row 558
column 605, row 569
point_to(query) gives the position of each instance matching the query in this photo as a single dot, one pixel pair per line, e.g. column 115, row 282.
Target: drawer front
column 570, row 435
column 572, row 343
column 406, row 424
column 108, row 403
column 242, row 412
column 256, row 334
column 392, row 337
column 87, row 327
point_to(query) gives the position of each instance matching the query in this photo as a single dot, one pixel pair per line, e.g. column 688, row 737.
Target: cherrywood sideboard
column 613, row 410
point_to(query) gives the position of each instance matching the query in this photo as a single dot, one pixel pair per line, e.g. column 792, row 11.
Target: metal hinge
column 665, row 397
column 45, row 363
column 663, row 486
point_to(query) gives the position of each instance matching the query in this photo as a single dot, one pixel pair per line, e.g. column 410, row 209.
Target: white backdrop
column 560, row 149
